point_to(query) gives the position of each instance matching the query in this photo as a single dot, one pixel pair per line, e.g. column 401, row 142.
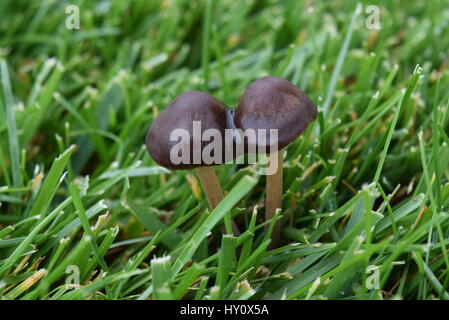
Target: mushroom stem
column 212, row 189
column 274, row 198
column 211, row 185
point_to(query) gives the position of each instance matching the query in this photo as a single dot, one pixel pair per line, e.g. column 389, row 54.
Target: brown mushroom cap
column 180, row 114
column 275, row 103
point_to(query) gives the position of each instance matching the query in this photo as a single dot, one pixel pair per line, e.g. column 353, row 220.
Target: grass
column 86, row 213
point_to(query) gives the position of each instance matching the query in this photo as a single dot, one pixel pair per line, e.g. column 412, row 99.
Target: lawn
column 86, row 213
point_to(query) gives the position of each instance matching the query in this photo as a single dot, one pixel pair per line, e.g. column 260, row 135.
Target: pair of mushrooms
column 268, row 103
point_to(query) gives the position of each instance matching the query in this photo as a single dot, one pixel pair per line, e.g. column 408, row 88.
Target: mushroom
column 274, row 103
column 188, row 118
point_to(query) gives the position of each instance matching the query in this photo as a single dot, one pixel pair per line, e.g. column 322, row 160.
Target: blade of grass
column 234, row 196
column 14, row 148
